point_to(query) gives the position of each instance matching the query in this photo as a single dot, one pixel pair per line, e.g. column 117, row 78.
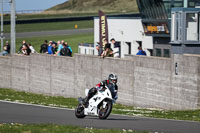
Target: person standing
column 6, row 49
column 116, row 48
column 66, row 50
column 99, row 49
column 108, row 52
column 25, row 49
column 60, row 46
column 44, row 47
column 20, row 48
column 31, row 48
column 54, row 48
column 141, row 51
column 50, row 47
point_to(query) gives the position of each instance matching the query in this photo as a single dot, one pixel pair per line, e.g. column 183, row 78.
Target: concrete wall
column 143, row 81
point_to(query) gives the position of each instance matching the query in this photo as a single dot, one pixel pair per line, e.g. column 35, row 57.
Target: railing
column 25, row 11
column 86, row 48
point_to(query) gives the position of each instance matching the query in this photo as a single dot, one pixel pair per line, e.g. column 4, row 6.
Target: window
column 179, row 26
column 158, row 52
column 178, row 3
column 185, row 26
column 192, row 26
column 173, row 29
column 199, row 26
column 166, row 53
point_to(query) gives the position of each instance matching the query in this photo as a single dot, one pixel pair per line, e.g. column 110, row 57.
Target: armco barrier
column 169, row 83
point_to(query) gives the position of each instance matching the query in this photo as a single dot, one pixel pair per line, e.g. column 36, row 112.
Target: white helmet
column 112, row 78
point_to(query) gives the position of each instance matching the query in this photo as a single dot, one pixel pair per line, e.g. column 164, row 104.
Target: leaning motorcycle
column 99, row 105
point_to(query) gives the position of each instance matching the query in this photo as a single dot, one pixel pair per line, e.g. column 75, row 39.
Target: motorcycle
column 99, row 105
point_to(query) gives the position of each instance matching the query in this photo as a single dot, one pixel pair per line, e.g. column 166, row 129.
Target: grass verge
column 48, row 128
column 24, row 97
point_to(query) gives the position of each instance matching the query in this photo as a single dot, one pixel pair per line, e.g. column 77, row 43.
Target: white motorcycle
column 99, row 105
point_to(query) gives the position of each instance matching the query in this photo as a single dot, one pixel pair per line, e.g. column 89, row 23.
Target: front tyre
column 79, row 111
column 105, row 112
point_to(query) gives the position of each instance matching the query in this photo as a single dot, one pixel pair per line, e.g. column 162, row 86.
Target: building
column 156, row 20
column 128, row 31
column 152, row 30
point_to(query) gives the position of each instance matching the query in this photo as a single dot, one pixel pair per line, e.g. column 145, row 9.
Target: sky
column 33, row 4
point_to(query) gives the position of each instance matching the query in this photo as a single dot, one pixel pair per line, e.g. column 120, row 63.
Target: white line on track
column 37, row 105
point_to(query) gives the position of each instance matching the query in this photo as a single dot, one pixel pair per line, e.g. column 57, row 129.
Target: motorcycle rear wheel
column 105, row 112
column 79, row 111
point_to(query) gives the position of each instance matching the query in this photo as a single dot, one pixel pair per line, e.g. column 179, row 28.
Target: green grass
column 25, row 97
column 50, row 26
column 12, row 95
column 73, row 40
column 49, row 128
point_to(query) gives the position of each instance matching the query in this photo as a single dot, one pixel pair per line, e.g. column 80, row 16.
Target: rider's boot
column 86, row 101
column 91, row 93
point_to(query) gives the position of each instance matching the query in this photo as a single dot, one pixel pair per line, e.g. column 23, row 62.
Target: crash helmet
column 112, row 78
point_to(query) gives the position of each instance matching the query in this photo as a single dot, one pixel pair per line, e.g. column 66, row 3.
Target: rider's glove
column 99, row 88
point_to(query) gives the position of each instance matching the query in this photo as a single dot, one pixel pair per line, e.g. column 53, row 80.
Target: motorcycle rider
column 111, row 83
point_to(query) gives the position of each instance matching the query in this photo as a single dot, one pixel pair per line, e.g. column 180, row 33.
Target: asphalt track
column 51, row 33
column 33, row 114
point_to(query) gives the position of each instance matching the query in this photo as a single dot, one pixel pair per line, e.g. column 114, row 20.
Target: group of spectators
column 26, row 48
column 110, row 49
column 113, row 49
column 59, row 48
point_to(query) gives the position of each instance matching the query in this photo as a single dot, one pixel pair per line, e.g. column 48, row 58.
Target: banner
column 103, row 29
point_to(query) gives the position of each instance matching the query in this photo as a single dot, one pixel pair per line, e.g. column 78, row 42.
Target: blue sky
column 33, row 4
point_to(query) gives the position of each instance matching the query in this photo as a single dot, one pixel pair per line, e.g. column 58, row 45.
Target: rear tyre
column 79, row 111
column 105, row 112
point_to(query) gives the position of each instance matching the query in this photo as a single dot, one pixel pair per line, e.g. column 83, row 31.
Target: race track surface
column 52, row 33
column 26, row 114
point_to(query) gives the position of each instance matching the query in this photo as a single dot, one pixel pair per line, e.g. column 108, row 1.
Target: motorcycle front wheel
column 105, row 112
column 79, row 111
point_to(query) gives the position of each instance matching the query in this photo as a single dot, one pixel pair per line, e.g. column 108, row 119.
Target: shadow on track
column 113, row 119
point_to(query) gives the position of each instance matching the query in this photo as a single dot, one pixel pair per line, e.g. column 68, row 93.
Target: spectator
column 99, row 49
column 31, row 48
column 44, row 47
column 108, row 52
column 66, row 50
column 68, row 47
column 50, row 47
column 141, row 52
column 116, row 48
column 60, row 46
column 20, row 49
column 62, row 41
column 6, row 49
column 106, row 44
column 25, row 49
column 54, row 48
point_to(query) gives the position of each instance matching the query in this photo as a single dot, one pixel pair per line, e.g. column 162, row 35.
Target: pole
column 12, row 32
column 186, row 3
column 2, row 37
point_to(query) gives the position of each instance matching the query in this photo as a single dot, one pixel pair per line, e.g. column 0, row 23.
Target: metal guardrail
column 25, row 11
